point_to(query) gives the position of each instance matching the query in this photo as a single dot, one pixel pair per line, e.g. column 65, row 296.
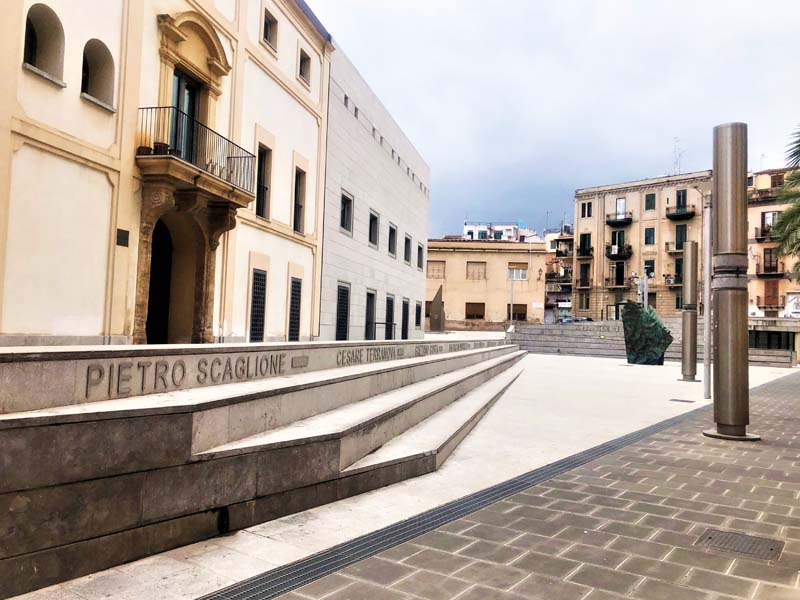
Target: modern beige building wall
column 96, row 165
column 627, row 228
column 476, row 280
column 773, row 286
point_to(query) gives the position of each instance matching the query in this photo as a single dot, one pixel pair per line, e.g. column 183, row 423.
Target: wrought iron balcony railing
column 770, row 301
column 619, row 218
column 619, row 284
column 673, row 247
column 583, row 283
column 585, row 252
column 168, row 131
column 615, row 252
column 564, row 252
column 771, row 269
column 763, row 233
column 680, row 213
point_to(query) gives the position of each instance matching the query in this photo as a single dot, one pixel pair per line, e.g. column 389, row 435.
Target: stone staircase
column 607, row 339
column 113, row 454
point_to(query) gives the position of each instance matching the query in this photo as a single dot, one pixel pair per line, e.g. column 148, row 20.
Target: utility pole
column 689, row 316
column 731, row 378
column 708, row 340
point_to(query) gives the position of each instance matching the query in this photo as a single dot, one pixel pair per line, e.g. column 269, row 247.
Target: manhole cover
column 740, row 543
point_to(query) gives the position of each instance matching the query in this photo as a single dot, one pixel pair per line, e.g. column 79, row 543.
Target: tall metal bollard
column 689, row 333
column 731, row 381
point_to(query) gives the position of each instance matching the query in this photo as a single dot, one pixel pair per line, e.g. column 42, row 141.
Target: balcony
column 566, row 277
column 583, row 284
column 771, row 302
column 771, row 269
column 585, row 252
column 763, row 234
column 680, row 213
column 673, row 281
column 619, row 219
column 565, row 253
column 674, row 247
column 171, row 146
column 619, row 252
column 614, row 283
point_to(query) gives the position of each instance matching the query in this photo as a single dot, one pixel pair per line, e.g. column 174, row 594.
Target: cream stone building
column 635, row 228
column 773, row 286
column 479, row 278
column 162, row 170
column 376, row 218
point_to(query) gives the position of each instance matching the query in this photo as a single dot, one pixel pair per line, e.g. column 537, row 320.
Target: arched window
column 44, row 41
column 97, row 77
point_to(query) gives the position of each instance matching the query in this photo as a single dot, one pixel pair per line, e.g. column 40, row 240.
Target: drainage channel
column 302, row 572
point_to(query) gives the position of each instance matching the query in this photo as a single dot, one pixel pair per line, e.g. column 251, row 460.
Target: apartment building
column 376, row 218
column 773, row 286
column 558, row 274
column 486, row 283
column 162, row 170
column 508, row 231
column 629, row 230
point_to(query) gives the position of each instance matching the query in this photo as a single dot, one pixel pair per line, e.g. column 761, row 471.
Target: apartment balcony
column 619, row 219
column 614, row 252
column 565, row 277
column 771, row 269
column 585, row 253
column 680, row 213
column 674, row 247
column 763, row 234
column 613, row 283
column 174, row 148
column 771, row 302
column 673, row 281
column 565, row 253
column 583, row 284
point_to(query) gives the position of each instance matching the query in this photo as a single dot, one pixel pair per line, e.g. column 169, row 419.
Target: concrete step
column 441, row 433
column 360, row 427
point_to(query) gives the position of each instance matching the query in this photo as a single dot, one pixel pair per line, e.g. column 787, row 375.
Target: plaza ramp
column 112, row 454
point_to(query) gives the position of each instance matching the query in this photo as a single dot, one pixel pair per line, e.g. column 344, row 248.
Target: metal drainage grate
column 740, row 543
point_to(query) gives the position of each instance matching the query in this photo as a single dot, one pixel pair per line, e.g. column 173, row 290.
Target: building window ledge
column 98, row 103
column 44, row 75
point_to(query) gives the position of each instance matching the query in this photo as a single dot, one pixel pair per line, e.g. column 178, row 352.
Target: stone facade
column 375, row 178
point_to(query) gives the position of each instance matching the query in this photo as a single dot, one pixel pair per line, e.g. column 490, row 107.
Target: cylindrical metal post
column 731, row 381
column 689, row 341
column 708, row 340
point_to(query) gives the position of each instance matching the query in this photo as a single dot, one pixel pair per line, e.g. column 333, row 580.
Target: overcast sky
column 515, row 104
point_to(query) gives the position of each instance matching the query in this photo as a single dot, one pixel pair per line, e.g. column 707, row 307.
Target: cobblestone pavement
column 622, row 526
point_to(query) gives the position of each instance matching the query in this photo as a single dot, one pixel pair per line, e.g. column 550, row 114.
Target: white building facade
column 507, row 231
column 376, row 218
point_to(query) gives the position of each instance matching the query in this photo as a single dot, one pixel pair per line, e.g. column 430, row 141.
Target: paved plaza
column 623, row 525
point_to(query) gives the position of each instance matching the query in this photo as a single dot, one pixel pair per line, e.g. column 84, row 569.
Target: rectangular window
column 768, row 220
column 407, row 250
column 436, row 269
column 680, row 236
column 428, row 305
column 588, row 210
column 369, row 322
column 304, row 68
column 749, row 181
column 618, row 238
column 649, row 236
column 392, row 240
column 776, row 180
column 405, row 316
column 476, row 270
column 678, row 300
column 420, row 255
column 583, row 301
column 342, row 312
column 652, row 299
column 346, row 213
column 258, row 303
column 475, row 310
column 680, row 199
column 583, row 210
column 650, row 268
column 585, row 244
column 295, row 296
column 520, row 312
column 649, row 201
column 418, row 315
column 298, row 212
column 389, row 320
column 483, row 235
column 374, row 224
column 270, row 33
column 518, row 271
column 498, row 235
column 263, row 181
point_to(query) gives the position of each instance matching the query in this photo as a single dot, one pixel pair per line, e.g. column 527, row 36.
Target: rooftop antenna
column 677, row 155
column 761, row 163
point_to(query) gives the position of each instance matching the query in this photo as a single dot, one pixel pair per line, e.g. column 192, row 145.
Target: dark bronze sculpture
column 646, row 338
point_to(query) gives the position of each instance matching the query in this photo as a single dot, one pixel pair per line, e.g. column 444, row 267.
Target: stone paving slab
column 622, row 526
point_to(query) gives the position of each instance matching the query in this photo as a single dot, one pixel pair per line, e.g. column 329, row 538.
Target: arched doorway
column 160, row 280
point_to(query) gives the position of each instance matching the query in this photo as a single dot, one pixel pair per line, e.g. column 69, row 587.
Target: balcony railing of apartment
column 559, row 277
column 680, row 213
column 673, row 247
column 564, row 252
column 673, row 280
column 615, row 252
column 585, row 252
column 770, row 301
column 612, row 283
column 616, row 219
column 771, row 269
column 583, row 283
column 763, row 233
column 170, row 132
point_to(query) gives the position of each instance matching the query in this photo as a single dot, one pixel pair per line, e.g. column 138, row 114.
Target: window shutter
column 258, row 301
column 294, row 310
